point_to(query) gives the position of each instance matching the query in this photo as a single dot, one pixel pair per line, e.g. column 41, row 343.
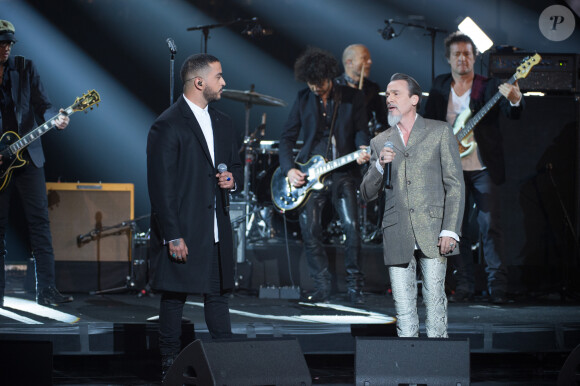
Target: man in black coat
column 483, row 165
column 186, row 144
column 333, row 121
column 24, row 104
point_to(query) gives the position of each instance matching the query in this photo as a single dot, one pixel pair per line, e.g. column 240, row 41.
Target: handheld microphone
column 172, row 46
column 225, row 194
column 388, row 184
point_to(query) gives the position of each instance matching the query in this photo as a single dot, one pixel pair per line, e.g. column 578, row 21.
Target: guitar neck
column 36, row 133
column 335, row 164
column 481, row 113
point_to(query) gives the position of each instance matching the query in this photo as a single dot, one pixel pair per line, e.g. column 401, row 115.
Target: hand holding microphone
column 226, row 183
column 386, row 157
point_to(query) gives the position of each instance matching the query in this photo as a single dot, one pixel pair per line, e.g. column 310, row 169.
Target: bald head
column 353, row 59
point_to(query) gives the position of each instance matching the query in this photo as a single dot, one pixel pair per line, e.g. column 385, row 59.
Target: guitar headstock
column 88, row 99
column 526, row 66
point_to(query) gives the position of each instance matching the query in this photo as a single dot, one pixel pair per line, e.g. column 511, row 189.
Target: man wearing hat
column 22, row 99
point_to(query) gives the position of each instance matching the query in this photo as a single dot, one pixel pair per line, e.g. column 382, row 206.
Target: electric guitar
column 11, row 145
column 463, row 129
column 287, row 197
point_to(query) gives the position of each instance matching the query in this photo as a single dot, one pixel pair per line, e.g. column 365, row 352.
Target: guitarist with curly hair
column 333, row 122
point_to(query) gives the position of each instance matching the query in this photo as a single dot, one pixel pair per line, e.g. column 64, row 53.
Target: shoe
column 460, row 297
column 318, row 296
column 50, row 296
column 356, row 297
column 166, row 363
column 1, row 298
column 498, row 297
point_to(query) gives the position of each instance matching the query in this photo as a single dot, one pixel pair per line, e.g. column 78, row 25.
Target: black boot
column 1, row 298
column 355, row 296
column 166, row 363
column 50, row 296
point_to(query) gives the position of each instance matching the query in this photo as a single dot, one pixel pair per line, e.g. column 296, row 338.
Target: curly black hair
column 316, row 65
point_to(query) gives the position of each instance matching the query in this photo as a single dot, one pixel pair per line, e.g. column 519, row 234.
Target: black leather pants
column 341, row 189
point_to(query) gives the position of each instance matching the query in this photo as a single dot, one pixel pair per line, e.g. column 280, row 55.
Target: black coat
column 35, row 105
column 351, row 130
column 487, row 132
column 183, row 189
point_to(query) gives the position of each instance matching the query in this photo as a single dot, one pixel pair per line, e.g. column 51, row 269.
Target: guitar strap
column 337, row 99
column 20, row 62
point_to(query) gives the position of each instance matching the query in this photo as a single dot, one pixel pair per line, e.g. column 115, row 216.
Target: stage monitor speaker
column 26, row 362
column 395, row 361
column 240, row 362
column 90, row 234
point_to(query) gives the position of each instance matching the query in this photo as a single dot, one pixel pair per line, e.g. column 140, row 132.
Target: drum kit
column 253, row 216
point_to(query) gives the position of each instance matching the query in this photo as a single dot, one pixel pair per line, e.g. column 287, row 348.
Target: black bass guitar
column 11, row 145
column 287, row 197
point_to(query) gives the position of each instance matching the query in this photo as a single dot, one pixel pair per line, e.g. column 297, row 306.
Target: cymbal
column 252, row 97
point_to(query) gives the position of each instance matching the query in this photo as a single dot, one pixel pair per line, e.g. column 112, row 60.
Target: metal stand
column 568, row 269
column 389, row 33
column 205, row 28
column 122, row 227
column 171, row 77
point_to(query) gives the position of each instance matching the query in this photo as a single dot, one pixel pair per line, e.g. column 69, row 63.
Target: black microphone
column 225, row 194
column 172, row 46
column 388, row 32
column 388, row 184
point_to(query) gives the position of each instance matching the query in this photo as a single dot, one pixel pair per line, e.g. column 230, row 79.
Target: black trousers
column 216, row 310
column 29, row 183
column 341, row 190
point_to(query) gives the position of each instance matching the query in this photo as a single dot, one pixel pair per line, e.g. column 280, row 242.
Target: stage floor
column 118, row 325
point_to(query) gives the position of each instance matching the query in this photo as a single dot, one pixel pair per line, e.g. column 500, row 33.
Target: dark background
column 118, row 47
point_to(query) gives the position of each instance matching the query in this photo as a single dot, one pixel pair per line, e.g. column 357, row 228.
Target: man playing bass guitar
column 483, row 162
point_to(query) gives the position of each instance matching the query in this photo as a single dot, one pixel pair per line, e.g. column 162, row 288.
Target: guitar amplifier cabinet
column 91, row 234
column 556, row 73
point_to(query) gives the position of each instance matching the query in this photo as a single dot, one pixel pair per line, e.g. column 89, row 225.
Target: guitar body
column 287, row 197
column 464, row 124
column 467, row 145
column 11, row 145
column 9, row 161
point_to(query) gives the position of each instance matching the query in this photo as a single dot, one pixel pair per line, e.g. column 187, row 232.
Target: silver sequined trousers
column 404, row 287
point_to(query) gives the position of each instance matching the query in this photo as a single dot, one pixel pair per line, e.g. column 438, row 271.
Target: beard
column 394, row 119
column 211, row 95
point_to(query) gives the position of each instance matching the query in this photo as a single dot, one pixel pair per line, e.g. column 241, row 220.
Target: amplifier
column 556, row 73
column 90, row 234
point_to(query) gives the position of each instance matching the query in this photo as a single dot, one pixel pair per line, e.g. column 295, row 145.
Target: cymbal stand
column 247, row 161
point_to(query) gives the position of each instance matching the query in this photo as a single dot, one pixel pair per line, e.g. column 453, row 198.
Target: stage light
column 481, row 40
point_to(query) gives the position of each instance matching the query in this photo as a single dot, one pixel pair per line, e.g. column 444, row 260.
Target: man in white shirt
column 191, row 235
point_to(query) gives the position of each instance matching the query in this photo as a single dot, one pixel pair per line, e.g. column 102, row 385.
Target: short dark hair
column 412, row 85
column 316, row 65
column 458, row 37
column 196, row 63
